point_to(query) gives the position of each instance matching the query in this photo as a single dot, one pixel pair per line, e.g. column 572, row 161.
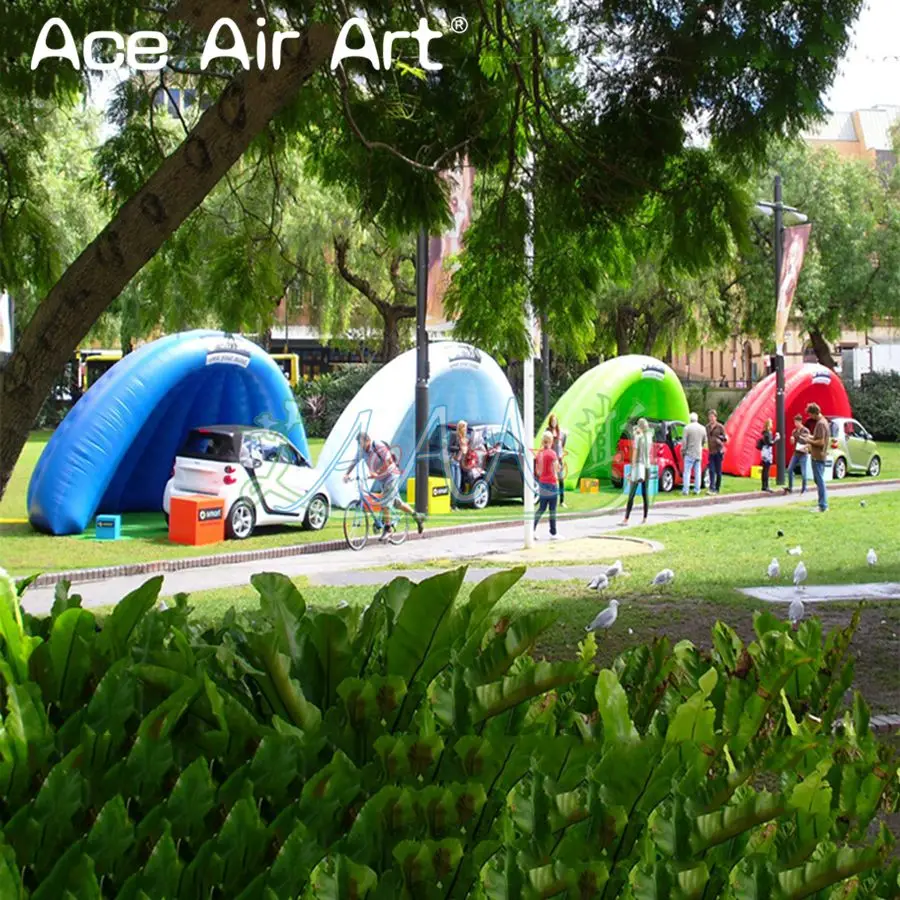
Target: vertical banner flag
column 443, row 249
column 6, row 323
column 796, row 239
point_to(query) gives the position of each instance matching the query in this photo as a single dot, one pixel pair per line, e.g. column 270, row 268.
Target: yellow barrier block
column 438, row 495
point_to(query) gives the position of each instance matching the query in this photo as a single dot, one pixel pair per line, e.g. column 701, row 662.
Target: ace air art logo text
column 147, row 51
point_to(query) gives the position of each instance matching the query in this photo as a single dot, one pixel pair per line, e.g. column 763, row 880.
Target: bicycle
column 369, row 505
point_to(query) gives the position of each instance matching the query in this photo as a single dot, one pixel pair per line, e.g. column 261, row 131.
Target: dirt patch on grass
column 876, row 645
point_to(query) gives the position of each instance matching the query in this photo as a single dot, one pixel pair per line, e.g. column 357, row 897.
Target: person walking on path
column 800, row 443
column 639, row 475
column 767, row 440
column 546, row 470
column 559, row 448
column 818, row 448
column 383, row 468
column 692, row 443
column 717, row 438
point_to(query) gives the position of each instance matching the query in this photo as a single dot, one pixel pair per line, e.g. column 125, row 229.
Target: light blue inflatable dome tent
column 113, row 453
column 465, row 383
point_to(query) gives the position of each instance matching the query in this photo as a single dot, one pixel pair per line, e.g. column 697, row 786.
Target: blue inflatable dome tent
column 113, row 452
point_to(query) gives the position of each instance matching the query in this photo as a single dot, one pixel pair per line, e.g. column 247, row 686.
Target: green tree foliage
column 48, row 214
column 418, row 750
column 850, row 276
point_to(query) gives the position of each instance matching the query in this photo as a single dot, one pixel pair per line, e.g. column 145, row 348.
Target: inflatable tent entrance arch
column 803, row 384
column 598, row 406
column 465, row 383
column 113, row 452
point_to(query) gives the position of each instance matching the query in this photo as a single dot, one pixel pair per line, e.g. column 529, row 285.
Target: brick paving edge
column 82, row 576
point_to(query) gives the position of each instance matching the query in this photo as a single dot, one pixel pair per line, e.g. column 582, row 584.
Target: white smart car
column 260, row 474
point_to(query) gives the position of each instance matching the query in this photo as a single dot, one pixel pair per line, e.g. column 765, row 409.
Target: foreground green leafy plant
column 418, row 750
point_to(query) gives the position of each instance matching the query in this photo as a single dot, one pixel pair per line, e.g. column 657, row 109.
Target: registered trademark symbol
column 459, row 25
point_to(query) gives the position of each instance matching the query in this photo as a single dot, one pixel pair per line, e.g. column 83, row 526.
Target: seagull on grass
column 774, row 570
column 605, row 619
column 615, row 569
column 796, row 551
column 599, row 583
column 871, row 557
column 667, row 576
column 796, row 611
column 800, row 574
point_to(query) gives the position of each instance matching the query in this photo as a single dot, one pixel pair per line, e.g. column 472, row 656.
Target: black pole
column 780, row 425
column 421, row 373
column 545, row 365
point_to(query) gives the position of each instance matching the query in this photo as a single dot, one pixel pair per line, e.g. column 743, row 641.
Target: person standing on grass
column 717, row 438
column 818, row 449
column 559, row 448
column 383, row 468
column 692, row 443
column 767, row 440
column 546, row 470
column 800, row 443
column 639, row 475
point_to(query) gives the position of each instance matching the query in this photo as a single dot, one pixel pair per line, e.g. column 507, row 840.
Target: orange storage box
column 197, row 520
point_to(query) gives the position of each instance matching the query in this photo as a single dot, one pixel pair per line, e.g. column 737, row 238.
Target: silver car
column 852, row 449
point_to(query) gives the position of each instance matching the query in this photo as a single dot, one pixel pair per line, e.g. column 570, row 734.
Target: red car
column 665, row 453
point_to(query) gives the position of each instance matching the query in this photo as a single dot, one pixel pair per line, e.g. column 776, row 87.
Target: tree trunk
column 822, row 349
column 624, row 321
column 140, row 228
column 392, row 316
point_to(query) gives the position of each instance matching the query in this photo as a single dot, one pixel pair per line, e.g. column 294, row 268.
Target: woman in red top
column 546, row 470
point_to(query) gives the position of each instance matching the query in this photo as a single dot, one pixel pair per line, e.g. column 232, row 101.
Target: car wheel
column 480, row 495
column 241, row 520
column 874, row 469
column 840, row 468
column 316, row 513
column 667, row 480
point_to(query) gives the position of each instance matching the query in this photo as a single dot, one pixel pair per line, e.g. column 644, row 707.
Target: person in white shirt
column 692, row 443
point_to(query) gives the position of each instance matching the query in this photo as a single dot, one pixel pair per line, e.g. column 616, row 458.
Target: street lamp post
column 779, row 212
column 422, row 373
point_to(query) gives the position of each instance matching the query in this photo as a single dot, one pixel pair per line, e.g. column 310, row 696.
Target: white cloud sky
column 870, row 73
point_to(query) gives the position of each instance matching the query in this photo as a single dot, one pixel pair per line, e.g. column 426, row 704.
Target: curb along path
column 102, row 573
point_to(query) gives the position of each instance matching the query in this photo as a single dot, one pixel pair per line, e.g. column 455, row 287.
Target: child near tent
column 767, row 440
column 546, row 470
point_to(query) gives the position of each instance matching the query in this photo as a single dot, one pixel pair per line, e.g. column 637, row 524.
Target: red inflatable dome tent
column 802, row 384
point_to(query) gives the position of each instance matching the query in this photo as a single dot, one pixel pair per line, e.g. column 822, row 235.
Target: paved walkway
column 824, row 593
column 455, row 548
column 357, row 577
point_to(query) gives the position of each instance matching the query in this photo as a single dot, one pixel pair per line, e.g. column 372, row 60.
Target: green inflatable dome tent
column 598, row 406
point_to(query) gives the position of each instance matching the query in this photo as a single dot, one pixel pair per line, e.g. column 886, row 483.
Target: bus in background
column 289, row 363
column 93, row 363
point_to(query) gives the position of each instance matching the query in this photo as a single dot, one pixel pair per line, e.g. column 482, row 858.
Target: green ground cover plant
column 419, row 749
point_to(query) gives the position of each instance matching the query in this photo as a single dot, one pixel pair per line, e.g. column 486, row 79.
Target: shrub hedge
column 323, row 399
column 417, row 749
column 876, row 403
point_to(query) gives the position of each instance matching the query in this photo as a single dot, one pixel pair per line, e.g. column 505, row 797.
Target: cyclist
column 383, row 467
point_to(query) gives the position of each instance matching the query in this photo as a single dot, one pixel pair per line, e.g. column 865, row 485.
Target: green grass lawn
column 23, row 551
column 711, row 557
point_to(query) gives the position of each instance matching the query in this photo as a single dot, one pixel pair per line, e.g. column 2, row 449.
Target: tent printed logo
column 822, row 378
column 465, row 357
column 228, row 357
column 649, row 370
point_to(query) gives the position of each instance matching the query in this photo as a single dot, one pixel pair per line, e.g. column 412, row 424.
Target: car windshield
column 213, row 445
